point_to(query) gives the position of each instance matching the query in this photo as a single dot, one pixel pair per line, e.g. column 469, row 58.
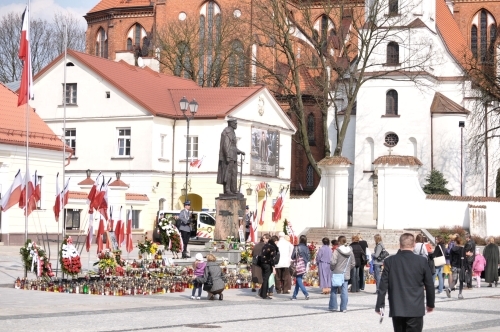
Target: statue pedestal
column 228, row 209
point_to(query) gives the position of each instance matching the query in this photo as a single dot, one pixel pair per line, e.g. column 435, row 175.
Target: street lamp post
column 193, row 108
column 461, row 124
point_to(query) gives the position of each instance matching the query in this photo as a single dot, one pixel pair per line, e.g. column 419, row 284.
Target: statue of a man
column 227, row 172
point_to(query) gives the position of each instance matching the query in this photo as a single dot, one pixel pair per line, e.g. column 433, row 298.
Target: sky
column 45, row 9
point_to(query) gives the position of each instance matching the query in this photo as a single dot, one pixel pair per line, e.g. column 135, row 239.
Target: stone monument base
column 229, row 209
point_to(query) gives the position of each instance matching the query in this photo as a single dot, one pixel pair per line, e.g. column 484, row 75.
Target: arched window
column 135, row 38
column 483, row 36
column 324, row 31
column 101, row 45
column 210, row 70
column 473, row 40
column 236, row 65
column 393, row 7
column 310, row 128
column 391, row 103
column 392, row 53
column 309, row 176
column 183, row 66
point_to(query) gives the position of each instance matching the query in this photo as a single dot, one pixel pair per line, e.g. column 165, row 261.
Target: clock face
column 261, row 105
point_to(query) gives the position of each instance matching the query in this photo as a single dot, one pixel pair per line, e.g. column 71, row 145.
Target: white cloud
column 45, row 9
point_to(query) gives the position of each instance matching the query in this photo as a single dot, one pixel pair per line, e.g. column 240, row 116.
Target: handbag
column 255, row 260
column 298, row 266
column 209, row 283
column 440, row 261
column 338, row 278
column 383, row 255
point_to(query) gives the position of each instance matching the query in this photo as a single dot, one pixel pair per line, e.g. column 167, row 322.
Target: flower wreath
column 35, row 259
column 69, row 257
column 170, row 235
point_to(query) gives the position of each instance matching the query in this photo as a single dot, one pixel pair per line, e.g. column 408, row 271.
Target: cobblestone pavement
column 240, row 310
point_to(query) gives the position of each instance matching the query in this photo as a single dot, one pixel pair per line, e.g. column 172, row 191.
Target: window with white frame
column 70, row 93
column 162, row 145
column 124, row 141
column 135, row 218
column 193, row 147
column 70, row 137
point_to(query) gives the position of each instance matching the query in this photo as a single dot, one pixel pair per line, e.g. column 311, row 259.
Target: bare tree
column 46, row 42
column 327, row 50
column 214, row 58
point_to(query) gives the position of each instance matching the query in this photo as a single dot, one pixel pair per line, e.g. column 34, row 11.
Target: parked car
column 202, row 225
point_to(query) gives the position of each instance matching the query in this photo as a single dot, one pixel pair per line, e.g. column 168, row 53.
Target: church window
column 483, row 37
column 210, row 70
column 473, row 40
column 391, row 140
column 101, row 46
column 236, row 65
column 392, row 53
column 137, row 38
column 310, row 128
column 393, row 7
column 309, row 176
column 324, row 31
column 183, row 61
column 391, row 103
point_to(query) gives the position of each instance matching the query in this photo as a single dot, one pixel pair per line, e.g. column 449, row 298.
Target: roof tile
column 13, row 125
column 77, row 195
column 394, row 160
column 335, row 160
column 444, row 105
column 136, row 197
column 108, row 4
column 463, row 198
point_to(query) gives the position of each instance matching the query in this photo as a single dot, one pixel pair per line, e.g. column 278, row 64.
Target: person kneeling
column 212, row 278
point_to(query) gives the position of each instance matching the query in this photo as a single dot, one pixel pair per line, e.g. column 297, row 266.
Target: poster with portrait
column 265, row 152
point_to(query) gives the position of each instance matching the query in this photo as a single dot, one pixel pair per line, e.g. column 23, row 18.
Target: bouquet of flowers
column 69, row 258
column 246, row 255
column 170, row 236
column 312, row 251
column 35, row 258
column 106, row 261
column 147, row 246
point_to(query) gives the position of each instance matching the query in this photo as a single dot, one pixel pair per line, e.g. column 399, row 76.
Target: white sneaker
column 192, row 297
column 198, row 298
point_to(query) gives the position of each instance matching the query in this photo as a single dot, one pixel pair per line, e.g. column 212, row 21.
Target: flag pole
column 27, row 63
column 63, row 224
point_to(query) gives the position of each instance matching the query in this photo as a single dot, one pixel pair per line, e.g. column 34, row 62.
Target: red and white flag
column 57, row 203
column 92, row 192
column 263, row 210
column 90, row 233
column 24, row 185
column 119, row 230
column 100, row 233
column 103, row 206
column 98, row 197
column 128, row 236
column 33, row 194
column 196, row 163
column 13, row 194
column 26, row 87
column 278, row 206
column 65, row 194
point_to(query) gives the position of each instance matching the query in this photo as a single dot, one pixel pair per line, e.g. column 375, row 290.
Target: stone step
column 390, row 237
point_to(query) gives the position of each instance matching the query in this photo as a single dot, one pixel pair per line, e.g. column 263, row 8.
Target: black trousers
column 185, row 239
column 408, row 324
column 266, row 272
column 247, row 234
column 362, row 277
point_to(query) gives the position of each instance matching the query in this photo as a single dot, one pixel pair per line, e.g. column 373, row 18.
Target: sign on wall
column 265, row 152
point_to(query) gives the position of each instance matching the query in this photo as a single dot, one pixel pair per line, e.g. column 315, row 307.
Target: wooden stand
column 228, row 209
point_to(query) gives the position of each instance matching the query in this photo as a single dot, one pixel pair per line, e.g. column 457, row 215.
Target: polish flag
column 12, row 196
column 26, row 87
column 263, row 210
column 103, row 206
column 278, row 206
column 90, row 234
column 24, row 185
column 33, row 197
column 196, row 163
column 98, row 197
column 93, row 190
column 57, row 203
column 65, row 193
column 38, row 191
column 129, row 244
column 100, row 232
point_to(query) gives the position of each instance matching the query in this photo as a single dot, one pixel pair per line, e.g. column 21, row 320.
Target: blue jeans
column 299, row 284
column 439, row 272
column 376, row 273
column 332, row 305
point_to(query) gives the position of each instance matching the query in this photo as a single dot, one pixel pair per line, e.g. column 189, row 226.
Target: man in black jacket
column 404, row 277
column 470, row 256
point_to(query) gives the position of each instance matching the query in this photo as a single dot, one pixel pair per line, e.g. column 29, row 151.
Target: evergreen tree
column 436, row 184
column 498, row 183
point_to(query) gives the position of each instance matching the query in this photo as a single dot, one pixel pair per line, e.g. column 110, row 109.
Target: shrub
column 436, row 183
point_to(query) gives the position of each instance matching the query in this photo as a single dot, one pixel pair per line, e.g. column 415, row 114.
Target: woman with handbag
column 343, row 261
column 256, row 269
column 439, row 262
column 212, row 278
column 300, row 258
column 376, row 259
column 266, row 263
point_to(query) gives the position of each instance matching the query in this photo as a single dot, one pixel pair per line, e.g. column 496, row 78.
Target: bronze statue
column 227, row 172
